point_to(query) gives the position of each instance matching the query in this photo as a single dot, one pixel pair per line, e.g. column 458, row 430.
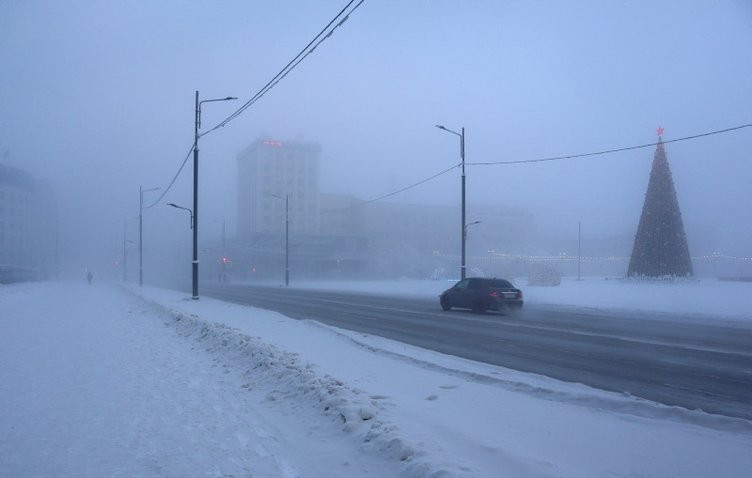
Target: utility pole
column 463, row 266
column 579, row 248
column 125, row 249
column 223, row 278
column 287, row 240
column 140, row 237
column 195, row 200
column 224, row 241
column 197, row 125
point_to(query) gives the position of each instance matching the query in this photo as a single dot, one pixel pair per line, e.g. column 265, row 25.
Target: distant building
column 342, row 215
column 268, row 171
column 337, row 235
column 26, row 225
column 271, row 173
column 419, row 240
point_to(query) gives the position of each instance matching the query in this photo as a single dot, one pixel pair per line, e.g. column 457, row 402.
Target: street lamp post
column 471, row 224
column 464, row 231
column 287, row 237
column 194, row 214
column 184, row 209
column 579, row 248
column 141, row 192
column 224, row 253
column 125, row 250
column 463, row 228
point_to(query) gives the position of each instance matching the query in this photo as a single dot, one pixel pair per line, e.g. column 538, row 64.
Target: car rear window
column 499, row 283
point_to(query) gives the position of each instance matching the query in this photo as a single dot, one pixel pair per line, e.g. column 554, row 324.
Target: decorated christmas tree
column 660, row 247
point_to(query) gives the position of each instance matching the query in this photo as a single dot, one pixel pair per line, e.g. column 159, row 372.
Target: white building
column 270, row 170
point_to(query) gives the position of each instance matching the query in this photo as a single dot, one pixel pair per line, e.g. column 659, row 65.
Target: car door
column 459, row 294
column 474, row 291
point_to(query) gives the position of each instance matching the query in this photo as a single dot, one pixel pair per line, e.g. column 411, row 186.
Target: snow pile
column 292, row 380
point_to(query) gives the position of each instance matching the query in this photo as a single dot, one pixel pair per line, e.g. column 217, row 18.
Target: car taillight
column 519, row 294
column 494, row 293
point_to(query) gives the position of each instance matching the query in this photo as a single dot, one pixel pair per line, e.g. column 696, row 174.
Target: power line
column 393, row 192
column 292, row 63
column 628, row 148
column 609, row 151
column 167, row 189
column 271, row 83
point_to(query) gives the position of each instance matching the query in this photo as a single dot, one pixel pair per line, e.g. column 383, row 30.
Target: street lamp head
column 444, row 128
column 471, row 224
column 173, row 205
column 231, row 98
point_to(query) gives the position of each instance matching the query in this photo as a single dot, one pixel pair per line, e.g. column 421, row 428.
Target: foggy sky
column 98, row 97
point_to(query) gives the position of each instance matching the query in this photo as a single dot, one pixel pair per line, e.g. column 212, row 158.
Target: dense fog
column 98, row 100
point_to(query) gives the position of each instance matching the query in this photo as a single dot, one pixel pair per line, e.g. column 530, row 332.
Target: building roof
column 308, row 146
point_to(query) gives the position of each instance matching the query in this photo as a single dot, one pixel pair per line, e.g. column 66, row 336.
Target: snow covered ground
column 101, row 380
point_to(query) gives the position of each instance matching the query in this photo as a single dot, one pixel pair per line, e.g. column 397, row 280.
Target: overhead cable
column 307, row 50
column 167, row 189
column 609, row 151
column 316, row 41
column 393, row 192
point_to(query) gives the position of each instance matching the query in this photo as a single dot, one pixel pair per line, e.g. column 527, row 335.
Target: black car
column 480, row 295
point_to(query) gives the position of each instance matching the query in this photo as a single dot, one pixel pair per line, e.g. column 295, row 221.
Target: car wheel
column 479, row 307
column 445, row 304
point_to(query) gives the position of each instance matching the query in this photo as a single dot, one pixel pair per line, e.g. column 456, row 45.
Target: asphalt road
column 665, row 358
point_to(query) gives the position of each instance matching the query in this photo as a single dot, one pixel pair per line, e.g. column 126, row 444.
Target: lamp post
column 464, row 232
column 125, row 250
column 579, row 248
column 141, row 192
column 224, row 253
column 462, row 156
column 471, row 224
column 126, row 241
column 183, row 208
column 194, row 214
column 287, row 237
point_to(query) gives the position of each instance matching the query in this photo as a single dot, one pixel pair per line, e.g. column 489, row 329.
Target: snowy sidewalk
column 92, row 383
column 99, row 381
